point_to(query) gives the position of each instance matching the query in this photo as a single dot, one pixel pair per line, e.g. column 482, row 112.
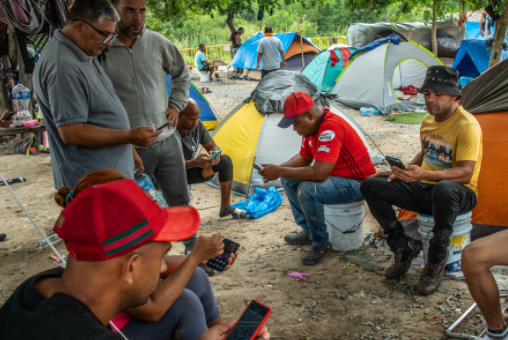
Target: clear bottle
column 21, row 101
column 368, row 111
column 146, row 183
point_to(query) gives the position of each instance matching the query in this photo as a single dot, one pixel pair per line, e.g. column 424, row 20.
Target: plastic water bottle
column 21, row 101
column 368, row 111
column 146, row 183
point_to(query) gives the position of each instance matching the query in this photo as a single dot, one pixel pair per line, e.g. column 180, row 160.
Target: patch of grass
column 407, row 118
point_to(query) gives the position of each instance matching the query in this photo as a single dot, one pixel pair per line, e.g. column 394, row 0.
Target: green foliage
column 316, row 19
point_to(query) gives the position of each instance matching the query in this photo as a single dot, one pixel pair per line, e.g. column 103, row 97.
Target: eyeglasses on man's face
column 108, row 37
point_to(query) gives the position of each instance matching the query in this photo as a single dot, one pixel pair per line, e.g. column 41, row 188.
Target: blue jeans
column 307, row 200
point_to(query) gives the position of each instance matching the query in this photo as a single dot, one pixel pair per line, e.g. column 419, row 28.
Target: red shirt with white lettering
column 338, row 142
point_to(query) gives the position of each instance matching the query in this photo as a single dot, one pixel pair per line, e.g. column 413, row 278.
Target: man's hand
column 412, row 173
column 220, row 332
column 207, row 247
column 269, row 172
column 5, row 123
column 284, row 64
column 202, row 161
column 138, row 163
column 171, row 115
column 144, row 135
column 215, row 160
column 257, row 67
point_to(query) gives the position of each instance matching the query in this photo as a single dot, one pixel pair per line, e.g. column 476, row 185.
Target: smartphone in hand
column 165, row 124
column 220, row 262
column 250, row 322
column 216, row 153
column 395, row 162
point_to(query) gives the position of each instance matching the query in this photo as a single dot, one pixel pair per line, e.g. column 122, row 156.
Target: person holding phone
column 440, row 181
column 138, row 63
column 332, row 163
column 6, row 120
column 203, row 167
column 88, row 128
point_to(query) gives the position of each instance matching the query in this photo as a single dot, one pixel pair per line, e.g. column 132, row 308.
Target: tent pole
column 301, row 41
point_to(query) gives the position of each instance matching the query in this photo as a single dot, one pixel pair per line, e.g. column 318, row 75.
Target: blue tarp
column 473, row 59
column 207, row 114
column 247, row 54
column 395, row 39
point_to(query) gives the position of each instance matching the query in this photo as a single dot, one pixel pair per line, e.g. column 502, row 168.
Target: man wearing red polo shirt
column 341, row 163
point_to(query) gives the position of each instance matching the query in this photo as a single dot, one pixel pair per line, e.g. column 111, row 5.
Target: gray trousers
column 164, row 162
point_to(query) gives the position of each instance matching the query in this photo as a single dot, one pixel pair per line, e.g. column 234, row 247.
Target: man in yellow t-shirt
column 441, row 180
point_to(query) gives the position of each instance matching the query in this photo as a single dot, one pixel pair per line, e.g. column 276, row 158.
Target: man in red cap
column 117, row 237
column 341, row 163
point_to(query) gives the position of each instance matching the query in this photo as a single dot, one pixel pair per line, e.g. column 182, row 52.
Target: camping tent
column 246, row 56
column 486, row 97
column 372, row 76
column 473, row 58
column 208, row 117
column 249, row 137
column 320, row 70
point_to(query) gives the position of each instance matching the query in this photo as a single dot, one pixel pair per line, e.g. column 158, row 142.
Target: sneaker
column 209, row 271
column 298, row 239
column 2, row 237
column 315, row 255
column 403, row 260
column 431, row 277
column 499, row 336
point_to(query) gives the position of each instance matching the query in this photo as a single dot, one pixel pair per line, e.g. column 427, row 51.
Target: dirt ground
column 337, row 300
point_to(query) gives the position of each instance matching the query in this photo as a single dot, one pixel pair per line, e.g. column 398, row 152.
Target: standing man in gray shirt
column 87, row 125
column 138, row 63
column 268, row 49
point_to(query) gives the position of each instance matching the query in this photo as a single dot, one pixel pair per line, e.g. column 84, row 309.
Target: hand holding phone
column 250, row 322
column 8, row 116
column 257, row 167
column 215, row 154
column 220, row 262
column 395, row 162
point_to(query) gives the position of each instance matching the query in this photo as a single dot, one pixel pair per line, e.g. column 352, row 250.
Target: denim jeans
column 445, row 201
column 307, row 200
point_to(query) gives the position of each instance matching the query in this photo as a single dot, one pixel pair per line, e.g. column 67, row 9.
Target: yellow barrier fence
column 222, row 52
column 216, row 52
column 325, row 42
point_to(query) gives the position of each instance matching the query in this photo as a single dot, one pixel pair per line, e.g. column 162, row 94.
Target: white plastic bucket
column 344, row 223
column 460, row 237
column 204, row 76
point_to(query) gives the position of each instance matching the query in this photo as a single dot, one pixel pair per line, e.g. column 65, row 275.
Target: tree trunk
column 462, row 21
column 231, row 22
column 433, row 38
column 499, row 34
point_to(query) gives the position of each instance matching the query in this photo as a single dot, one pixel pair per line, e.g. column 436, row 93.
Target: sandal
column 315, row 255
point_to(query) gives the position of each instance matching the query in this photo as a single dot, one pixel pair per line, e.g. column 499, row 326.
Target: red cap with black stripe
column 109, row 220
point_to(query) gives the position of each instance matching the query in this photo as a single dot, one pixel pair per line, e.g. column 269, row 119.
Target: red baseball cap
column 109, row 220
column 295, row 104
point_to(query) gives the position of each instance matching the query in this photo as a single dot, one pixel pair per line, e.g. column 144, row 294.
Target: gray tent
column 372, row 76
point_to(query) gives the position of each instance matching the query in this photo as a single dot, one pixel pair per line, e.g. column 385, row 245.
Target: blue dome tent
column 473, row 58
column 208, row 117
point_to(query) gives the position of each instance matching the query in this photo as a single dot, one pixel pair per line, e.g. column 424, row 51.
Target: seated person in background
column 341, row 163
column 117, row 237
column 440, row 181
column 183, row 304
column 202, row 64
column 7, row 122
column 477, row 259
column 202, row 168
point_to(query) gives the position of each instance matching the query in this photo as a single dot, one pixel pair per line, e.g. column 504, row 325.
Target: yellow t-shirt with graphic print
column 445, row 143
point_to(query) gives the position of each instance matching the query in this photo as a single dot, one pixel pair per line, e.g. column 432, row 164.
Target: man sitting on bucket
column 341, row 163
column 441, row 180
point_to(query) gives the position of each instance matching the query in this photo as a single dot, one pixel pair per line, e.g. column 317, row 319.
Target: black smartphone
column 395, row 162
column 9, row 115
column 165, row 124
column 250, row 322
column 220, row 262
column 257, row 167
